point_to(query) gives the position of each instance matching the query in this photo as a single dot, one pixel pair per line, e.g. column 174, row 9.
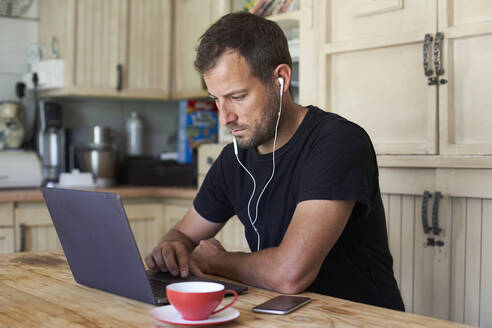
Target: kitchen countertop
column 37, row 289
column 125, row 192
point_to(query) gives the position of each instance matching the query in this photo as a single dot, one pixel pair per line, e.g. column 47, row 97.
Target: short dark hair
column 260, row 41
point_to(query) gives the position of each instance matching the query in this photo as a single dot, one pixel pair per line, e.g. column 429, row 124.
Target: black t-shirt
column 328, row 157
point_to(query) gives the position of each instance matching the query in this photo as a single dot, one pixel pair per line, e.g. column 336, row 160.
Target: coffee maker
column 50, row 141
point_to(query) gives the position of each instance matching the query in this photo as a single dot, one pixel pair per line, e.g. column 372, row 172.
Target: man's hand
column 174, row 249
column 173, row 256
column 205, row 251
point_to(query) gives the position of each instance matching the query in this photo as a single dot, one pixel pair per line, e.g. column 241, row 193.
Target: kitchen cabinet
column 444, row 276
column 193, row 17
column 110, row 48
column 371, row 70
column 34, row 230
column 174, row 211
column 6, row 228
column 146, row 220
column 6, row 240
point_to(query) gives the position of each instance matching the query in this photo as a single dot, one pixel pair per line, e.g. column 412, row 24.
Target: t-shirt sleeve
column 340, row 166
column 212, row 202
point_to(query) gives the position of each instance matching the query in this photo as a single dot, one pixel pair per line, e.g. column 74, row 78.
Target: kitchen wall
column 16, row 34
column 160, row 118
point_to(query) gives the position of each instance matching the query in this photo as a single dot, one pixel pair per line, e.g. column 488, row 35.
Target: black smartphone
column 282, row 304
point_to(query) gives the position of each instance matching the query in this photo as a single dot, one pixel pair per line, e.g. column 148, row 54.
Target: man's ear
column 285, row 72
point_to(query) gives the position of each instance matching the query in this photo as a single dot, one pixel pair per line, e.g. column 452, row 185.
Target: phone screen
column 282, row 304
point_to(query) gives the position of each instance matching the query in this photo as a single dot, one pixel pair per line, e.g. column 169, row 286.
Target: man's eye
column 238, row 97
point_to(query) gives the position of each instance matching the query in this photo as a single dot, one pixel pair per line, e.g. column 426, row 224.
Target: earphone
column 281, row 82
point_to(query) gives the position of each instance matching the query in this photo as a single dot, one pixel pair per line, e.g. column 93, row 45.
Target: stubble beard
column 264, row 128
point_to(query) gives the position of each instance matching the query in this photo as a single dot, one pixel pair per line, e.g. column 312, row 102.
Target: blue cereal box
column 198, row 124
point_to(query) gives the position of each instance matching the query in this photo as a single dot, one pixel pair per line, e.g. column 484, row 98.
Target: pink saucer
column 168, row 314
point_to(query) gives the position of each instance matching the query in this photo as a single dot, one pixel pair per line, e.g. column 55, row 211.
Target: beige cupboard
column 446, row 279
column 192, row 18
column 28, row 226
column 146, row 49
column 6, row 228
column 110, row 48
column 372, row 70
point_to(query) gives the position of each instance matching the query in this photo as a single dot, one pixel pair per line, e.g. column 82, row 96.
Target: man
column 304, row 182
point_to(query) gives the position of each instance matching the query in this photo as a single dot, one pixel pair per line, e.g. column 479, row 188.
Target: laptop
column 100, row 248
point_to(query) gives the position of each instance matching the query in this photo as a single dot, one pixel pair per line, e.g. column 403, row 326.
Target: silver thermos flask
column 134, row 132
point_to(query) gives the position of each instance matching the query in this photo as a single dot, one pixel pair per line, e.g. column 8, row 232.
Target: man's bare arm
column 292, row 266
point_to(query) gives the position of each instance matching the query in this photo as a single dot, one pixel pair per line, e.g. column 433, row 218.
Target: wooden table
column 37, row 290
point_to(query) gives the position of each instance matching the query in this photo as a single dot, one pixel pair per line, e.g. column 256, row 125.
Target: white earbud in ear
column 281, row 81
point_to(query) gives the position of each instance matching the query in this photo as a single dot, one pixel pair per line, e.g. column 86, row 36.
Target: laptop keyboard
column 158, row 288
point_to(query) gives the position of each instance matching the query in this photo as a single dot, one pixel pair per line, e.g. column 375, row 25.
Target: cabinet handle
column 437, row 53
column 427, row 55
column 119, row 83
column 425, row 224
column 435, row 213
column 22, row 237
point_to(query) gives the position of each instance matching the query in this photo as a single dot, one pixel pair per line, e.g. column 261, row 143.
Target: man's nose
column 226, row 114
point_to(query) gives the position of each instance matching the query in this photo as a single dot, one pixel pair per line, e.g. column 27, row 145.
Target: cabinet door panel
column 232, row 236
column 486, row 265
column 146, row 223
column 469, row 11
column 471, row 290
column 422, row 273
column 39, row 232
column 6, row 240
column 372, row 71
column 356, row 19
column 384, row 90
column 464, row 102
column 195, row 17
column 99, row 39
column 149, row 47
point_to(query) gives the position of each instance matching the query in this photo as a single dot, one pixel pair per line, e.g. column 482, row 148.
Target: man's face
column 246, row 105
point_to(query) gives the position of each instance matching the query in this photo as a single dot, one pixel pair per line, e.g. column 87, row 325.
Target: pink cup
column 196, row 300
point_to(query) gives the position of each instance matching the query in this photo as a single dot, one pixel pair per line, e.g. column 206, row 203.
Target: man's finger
column 183, row 260
column 158, row 258
column 149, row 260
column 169, row 256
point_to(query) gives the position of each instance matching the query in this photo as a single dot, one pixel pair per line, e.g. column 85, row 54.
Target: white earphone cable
column 251, row 175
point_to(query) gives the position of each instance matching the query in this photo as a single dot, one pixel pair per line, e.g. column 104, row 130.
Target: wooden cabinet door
column 421, row 271
column 174, row 211
column 232, row 236
column 148, row 55
column 465, row 101
column 99, row 40
column 34, row 229
column 471, row 263
column 146, row 222
column 371, row 70
column 6, row 240
column 193, row 17
column 6, row 228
